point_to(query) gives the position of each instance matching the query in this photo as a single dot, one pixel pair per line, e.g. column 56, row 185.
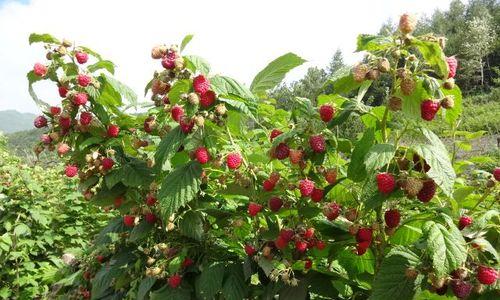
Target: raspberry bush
column 222, row 194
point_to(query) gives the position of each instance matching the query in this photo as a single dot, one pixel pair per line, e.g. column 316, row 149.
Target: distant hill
column 13, row 121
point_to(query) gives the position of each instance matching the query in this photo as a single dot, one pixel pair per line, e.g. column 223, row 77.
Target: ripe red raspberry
column 427, row 192
column 320, row 245
column 107, row 163
column 306, row 187
column 187, row 262
column 81, row 57
column 250, row 250
column 275, row 203
column 268, row 185
column 428, row 109
column 100, row 258
column 65, row 122
column 113, row 130
column 150, row 199
column 55, row 110
column 362, row 247
column 282, row 151
column 46, row 139
column 496, row 174
column 63, row 91
column 487, row 275
column 207, row 99
column 301, row 246
column 317, row 143
column 461, row 289
column 177, row 112
column 80, row 99
column 452, row 66
column 331, row 176
column 274, row 133
column 386, row 183
column 128, row 220
column 186, row 124
column 40, row 122
column 233, row 160
column 85, row 118
column 309, row 233
column 118, row 201
column 84, row 80
column 364, row 235
column 62, row 148
column 317, row 195
column 150, row 218
column 280, row 243
column 308, row 264
column 202, row 155
column 71, row 170
column 326, row 112
column 201, row 84
column 295, row 156
column 40, row 70
column 174, row 281
column 464, row 221
column 287, row 234
column 168, row 61
column 254, row 209
column 331, row 211
column 392, row 218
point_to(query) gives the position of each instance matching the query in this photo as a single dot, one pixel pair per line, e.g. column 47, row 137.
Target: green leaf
column 22, row 229
column 234, row 287
column 136, row 173
column 274, row 72
column 91, row 52
column 342, row 81
column 102, row 64
column 355, row 264
column 109, row 97
column 186, row 41
column 169, row 293
column 357, row 169
column 238, row 104
column 368, row 42
column 210, row 281
column 121, row 88
column 445, row 246
column 32, row 79
column 435, row 154
column 43, row 38
column 191, row 225
column 180, row 187
column 378, row 156
column 391, row 282
column 146, row 284
column 140, row 231
column 169, row 146
column 223, row 85
column 178, row 88
column 199, row 64
column 433, row 55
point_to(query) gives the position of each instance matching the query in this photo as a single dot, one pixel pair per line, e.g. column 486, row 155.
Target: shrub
column 287, row 208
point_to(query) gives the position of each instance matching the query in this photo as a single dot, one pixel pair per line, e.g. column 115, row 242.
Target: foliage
column 209, row 209
column 42, row 217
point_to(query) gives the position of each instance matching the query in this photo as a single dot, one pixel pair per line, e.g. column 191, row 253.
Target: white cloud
column 238, row 38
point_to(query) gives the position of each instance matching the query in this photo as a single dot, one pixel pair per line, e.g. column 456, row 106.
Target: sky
column 238, row 38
